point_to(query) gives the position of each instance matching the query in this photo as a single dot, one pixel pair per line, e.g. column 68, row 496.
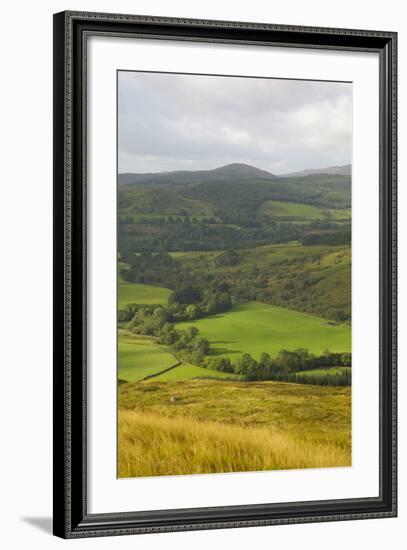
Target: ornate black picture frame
column 71, row 517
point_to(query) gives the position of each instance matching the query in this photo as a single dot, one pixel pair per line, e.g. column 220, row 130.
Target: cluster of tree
column 342, row 379
column 162, row 220
column 156, row 321
column 330, row 238
column 186, row 302
column 285, row 366
column 187, row 344
column 160, row 269
column 146, row 267
column 173, row 237
column 242, row 196
column 228, row 258
column 301, row 360
column 189, row 302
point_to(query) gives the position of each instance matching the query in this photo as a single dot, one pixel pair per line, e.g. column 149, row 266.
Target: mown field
column 255, row 328
column 203, row 426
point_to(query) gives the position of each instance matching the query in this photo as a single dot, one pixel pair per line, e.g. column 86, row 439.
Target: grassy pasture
column 135, row 293
column 140, row 357
column 254, row 327
column 203, row 426
column 304, row 212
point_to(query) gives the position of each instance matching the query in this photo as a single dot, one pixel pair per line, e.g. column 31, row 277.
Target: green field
column 255, row 328
column 135, row 293
column 140, row 356
column 297, row 211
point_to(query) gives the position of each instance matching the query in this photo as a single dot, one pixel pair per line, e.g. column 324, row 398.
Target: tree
column 221, row 364
column 228, row 258
column 185, row 295
column 265, row 362
column 211, row 307
column 245, row 364
column 200, row 345
column 192, row 311
column 287, row 361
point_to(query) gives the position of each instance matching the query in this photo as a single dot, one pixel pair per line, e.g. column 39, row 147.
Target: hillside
column 230, row 171
column 345, row 170
column 233, row 195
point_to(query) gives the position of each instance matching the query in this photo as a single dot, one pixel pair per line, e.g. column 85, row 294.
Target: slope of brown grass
column 317, row 413
column 152, row 445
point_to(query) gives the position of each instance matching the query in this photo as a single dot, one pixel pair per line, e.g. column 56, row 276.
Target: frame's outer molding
column 71, row 519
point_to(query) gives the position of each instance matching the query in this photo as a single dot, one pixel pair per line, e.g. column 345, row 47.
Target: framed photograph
column 224, row 274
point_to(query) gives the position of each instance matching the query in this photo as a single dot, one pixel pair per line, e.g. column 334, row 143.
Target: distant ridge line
column 233, row 170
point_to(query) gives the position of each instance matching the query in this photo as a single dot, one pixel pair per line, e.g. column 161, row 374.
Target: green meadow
column 136, row 293
column 298, row 211
column 140, row 357
column 255, row 328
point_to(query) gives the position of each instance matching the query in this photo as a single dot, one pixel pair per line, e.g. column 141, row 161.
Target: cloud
column 173, row 122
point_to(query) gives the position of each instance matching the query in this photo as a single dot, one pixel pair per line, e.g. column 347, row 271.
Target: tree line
column 285, row 366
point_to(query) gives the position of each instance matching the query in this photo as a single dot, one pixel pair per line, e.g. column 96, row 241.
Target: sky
column 197, row 122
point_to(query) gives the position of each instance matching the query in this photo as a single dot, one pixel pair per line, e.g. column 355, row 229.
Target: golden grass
column 316, row 413
column 153, row 445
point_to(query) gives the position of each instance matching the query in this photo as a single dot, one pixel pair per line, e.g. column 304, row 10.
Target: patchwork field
column 207, row 426
column 255, row 328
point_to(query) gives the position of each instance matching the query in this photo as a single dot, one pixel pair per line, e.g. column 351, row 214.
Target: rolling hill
column 345, row 170
column 230, row 194
column 228, row 172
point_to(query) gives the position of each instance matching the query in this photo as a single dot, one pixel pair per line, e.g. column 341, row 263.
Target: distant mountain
column 229, row 172
column 224, row 173
column 345, row 170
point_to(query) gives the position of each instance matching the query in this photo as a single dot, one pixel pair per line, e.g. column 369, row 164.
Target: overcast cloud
column 191, row 122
